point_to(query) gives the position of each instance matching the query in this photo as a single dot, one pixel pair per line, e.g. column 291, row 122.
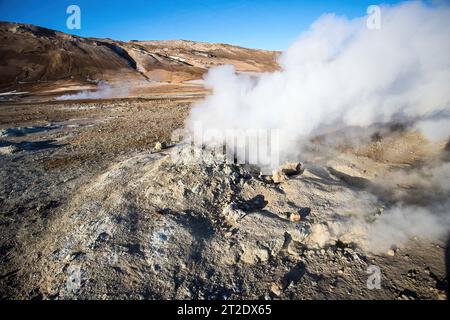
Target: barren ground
column 86, row 211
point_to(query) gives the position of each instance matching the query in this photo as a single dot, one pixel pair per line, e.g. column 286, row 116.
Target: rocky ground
column 87, row 210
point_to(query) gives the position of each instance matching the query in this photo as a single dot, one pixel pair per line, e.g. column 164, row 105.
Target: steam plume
column 341, row 74
column 104, row 91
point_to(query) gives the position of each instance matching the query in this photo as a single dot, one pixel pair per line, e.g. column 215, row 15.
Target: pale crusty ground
column 88, row 212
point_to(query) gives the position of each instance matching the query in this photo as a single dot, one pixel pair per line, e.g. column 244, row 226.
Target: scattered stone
column 253, row 255
column 319, row 236
column 159, row 146
column 275, row 289
column 294, row 217
column 441, row 295
column 228, row 234
column 300, row 234
column 291, row 168
column 232, row 213
column 227, row 170
column 278, row 177
column 287, row 170
column 266, row 179
column 391, row 252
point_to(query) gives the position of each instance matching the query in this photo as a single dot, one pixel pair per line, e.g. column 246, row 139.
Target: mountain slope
column 31, row 54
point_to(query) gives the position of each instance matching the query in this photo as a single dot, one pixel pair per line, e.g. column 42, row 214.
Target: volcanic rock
column 287, row 170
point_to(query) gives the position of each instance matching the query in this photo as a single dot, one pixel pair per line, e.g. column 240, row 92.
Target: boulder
column 232, row 213
column 294, row 217
column 159, row 146
column 287, row 170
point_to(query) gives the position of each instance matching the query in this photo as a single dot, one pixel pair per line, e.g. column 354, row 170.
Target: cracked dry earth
column 148, row 227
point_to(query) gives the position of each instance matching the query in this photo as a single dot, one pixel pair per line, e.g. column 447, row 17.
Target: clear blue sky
column 250, row 23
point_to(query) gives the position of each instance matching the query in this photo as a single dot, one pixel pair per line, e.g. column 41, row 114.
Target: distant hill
column 32, row 54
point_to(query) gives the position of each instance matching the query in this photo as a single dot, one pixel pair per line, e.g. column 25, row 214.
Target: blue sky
column 250, row 23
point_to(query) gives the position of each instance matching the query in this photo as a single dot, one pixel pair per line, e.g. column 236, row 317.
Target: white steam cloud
column 104, row 91
column 400, row 224
column 337, row 74
column 421, row 210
